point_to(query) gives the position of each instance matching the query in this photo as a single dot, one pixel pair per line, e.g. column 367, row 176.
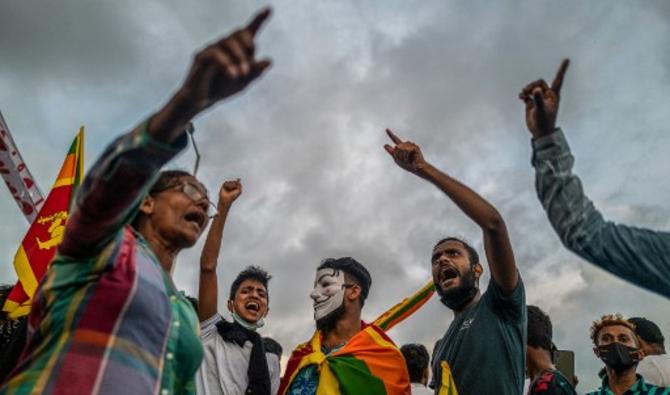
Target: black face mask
column 618, row 356
column 456, row 298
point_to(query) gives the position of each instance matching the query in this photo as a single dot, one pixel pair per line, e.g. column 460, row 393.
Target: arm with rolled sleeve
column 113, row 189
column 640, row 256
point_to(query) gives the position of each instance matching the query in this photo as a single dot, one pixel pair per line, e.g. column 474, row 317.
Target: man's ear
column 147, row 205
column 641, row 353
column 595, row 351
column 354, row 293
column 231, row 305
column 478, row 270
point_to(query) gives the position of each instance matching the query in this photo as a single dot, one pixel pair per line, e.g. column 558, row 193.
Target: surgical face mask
column 618, row 356
column 246, row 324
column 328, row 292
column 456, row 298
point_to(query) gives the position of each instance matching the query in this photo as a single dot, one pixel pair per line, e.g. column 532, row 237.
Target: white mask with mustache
column 328, row 292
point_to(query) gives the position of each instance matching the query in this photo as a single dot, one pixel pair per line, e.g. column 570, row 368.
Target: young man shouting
column 235, row 359
column 484, row 347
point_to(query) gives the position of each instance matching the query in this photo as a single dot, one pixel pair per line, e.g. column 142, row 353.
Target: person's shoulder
column 551, row 382
column 510, row 306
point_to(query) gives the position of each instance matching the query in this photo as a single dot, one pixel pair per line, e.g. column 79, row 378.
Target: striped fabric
column 447, row 384
column 407, row 307
column 639, row 388
column 110, row 321
column 41, row 241
column 370, row 363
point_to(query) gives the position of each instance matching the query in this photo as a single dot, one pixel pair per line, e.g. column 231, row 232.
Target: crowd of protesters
column 107, row 317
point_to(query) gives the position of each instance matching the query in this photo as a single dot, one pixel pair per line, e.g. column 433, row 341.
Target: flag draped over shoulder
column 370, row 363
column 39, row 245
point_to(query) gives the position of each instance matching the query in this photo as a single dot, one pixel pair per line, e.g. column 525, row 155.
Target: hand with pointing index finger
column 542, row 103
column 406, row 154
column 224, row 68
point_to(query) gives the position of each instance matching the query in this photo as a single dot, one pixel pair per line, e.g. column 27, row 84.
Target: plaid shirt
column 639, row 388
column 110, row 321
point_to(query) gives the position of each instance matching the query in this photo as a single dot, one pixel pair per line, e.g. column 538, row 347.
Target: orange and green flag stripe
column 370, row 363
column 40, row 243
column 406, row 307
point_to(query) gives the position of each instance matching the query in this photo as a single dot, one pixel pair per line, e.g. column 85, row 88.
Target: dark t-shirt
column 551, row 382
column 484, row 346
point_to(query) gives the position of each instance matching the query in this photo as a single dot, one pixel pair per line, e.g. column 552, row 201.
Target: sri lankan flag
column 447, row 383
column 39, row 245
column 407, row 307
column 370, row 363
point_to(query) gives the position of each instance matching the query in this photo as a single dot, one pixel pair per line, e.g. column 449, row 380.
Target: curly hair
column 609, row 320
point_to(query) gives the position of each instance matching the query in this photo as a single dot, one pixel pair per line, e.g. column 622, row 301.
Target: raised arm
column 208, row 289
column 640, row 256
column 114, row 187
column 497, row 245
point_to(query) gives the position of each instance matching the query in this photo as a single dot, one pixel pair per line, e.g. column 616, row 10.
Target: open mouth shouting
column 197, row 218
column 253, row 307
column 448, row 276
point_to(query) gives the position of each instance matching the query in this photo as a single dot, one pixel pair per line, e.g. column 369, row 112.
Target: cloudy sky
column 307, row 139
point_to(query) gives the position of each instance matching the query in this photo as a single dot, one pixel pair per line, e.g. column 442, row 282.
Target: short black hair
column 250, row 273
column 354, row 269
column 540, row 331
column 648, row 331
column 472, row 253
column 272, row 346
column 416, row 358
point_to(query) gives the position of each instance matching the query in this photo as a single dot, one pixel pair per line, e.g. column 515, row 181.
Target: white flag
column 16, row 175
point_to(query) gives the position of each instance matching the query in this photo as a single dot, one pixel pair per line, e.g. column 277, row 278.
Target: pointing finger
column 393, row 137
column 558, row 81
column 258, row 21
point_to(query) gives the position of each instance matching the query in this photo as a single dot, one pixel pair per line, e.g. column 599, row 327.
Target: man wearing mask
column 484, row 347
column 655, row 367
column 347, row 355
column 618, row 347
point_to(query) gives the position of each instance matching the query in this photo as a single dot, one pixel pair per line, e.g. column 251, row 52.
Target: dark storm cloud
column 307, row 139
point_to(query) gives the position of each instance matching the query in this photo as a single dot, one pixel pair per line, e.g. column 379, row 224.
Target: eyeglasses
column 195, row 195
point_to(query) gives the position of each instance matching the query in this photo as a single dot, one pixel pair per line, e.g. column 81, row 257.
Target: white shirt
column 224, row 367
column 420, row 389
column 655, row 369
